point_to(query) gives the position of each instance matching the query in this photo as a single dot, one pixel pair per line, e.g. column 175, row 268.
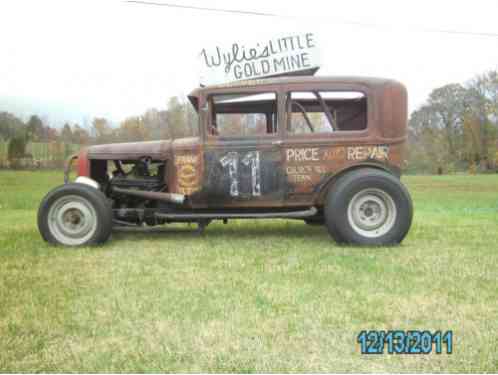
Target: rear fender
column 324, row 186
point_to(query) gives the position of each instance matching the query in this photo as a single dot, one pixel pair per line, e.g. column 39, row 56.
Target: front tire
column 368, row 207
column 75, row 215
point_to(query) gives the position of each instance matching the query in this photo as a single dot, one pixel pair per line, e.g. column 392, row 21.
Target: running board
column 241, row 215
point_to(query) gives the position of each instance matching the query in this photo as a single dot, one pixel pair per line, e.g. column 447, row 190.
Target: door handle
column 276, row 143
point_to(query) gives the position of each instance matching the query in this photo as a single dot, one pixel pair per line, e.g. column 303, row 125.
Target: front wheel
column 368, row 207
column 75, row 215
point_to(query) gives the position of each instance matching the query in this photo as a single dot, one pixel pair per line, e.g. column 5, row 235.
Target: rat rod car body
column 326, row 150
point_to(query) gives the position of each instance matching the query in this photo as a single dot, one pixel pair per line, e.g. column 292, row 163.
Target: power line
column 352, row 23
column 233, row 11
column 455, row 32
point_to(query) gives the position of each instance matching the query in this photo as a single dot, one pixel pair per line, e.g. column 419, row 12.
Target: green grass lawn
column 250, row 296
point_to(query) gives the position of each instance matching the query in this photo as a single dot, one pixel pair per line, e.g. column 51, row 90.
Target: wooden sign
column 265, row 58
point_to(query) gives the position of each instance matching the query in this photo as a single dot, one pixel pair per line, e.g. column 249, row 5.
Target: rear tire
column 75, row 215
column 368, row 207
column 315, row 221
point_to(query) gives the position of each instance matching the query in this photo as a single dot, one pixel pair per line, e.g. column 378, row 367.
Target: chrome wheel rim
column 372, row 213
column 72, row 220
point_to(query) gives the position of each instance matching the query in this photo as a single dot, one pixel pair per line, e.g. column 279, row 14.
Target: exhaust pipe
column 152, row 195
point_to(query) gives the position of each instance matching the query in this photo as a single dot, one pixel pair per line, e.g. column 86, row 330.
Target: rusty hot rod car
column 325, row 150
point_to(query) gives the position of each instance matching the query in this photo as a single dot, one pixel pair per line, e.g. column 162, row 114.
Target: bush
column 17, row 148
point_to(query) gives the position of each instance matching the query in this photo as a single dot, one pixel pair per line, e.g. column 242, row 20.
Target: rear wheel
column 75, row 215
column 368, row 207
column 315, row 221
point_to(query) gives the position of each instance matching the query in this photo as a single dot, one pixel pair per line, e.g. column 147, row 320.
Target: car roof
column 367, row 81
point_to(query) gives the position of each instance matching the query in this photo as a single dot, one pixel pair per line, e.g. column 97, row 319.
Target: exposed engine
column 139, row 177
column 144, row 175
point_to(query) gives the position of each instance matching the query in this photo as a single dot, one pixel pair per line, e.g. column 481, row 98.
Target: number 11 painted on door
column 251, row 160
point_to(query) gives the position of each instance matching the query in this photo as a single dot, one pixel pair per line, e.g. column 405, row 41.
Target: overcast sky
column 116, row 59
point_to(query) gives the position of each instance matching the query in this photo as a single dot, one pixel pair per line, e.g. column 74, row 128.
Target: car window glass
column 239, row 115
column 318, row 112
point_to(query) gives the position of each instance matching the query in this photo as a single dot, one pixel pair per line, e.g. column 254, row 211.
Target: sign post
column 288, row 54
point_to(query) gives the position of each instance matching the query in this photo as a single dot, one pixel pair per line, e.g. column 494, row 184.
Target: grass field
column 252, row 295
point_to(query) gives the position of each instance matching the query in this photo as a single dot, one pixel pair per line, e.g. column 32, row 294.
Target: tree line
column 456, row 129
column 179, row 119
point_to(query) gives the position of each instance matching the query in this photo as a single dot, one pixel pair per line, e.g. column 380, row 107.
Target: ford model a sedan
column 323, row 150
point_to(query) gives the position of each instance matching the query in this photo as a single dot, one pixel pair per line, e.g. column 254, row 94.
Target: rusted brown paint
column 185, row 174
column 302, row 164
column 306, row 167
column 157, row 150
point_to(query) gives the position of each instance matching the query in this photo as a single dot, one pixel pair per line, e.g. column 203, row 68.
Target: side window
column 239, row 115
column 318, row 112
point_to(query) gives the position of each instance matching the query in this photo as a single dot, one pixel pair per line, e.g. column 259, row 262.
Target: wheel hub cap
column 372, row 212
column 72, row 220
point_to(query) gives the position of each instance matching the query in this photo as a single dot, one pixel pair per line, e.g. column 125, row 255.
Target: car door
column 325, row 124
column 242, row 151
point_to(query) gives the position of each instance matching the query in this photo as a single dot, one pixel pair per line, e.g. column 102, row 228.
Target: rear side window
column 322, row 112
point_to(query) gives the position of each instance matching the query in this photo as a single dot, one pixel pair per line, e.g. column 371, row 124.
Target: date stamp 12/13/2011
column 405, row 342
